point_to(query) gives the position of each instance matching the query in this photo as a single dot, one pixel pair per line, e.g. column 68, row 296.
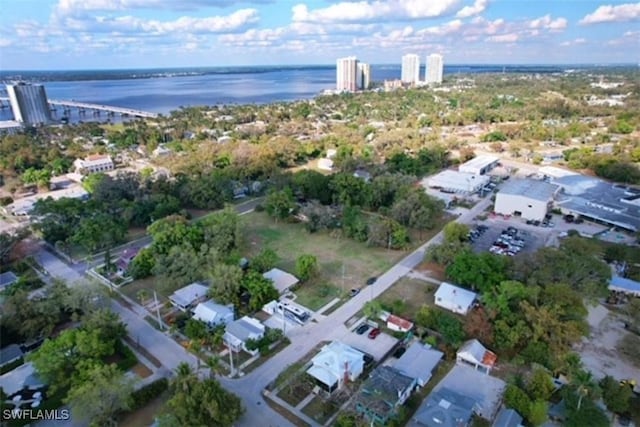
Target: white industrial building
column 93, row 164
column 29, row 103
column 527, row 198
column 479, row 165
column 457, row 182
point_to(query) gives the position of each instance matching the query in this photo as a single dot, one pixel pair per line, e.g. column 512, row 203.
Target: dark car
column 362, row 329
column 353, row 292
column 371, row 280
column 399, row 352
column 374, row 333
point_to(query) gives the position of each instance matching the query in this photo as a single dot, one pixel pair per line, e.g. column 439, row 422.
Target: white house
column 475, row 354
column 418, row 362
column 238, row 332
column 94, row 163
column 325, row 164
column 186, row 298
column 396, row 323
column 479, row 165
column 281, row 279
column 527, row 198
column 213, row 314
column 335, row 362
column 454, row 298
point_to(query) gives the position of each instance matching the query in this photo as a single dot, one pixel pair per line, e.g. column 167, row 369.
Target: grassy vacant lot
column 290, row 240
column 407, row 295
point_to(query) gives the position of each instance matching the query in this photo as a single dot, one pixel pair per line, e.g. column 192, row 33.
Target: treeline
column 619, row 167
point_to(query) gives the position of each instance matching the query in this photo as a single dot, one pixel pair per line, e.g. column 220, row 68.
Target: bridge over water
column 97, row 107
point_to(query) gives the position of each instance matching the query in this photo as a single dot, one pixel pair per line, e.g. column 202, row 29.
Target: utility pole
column 284, row 320
column 155, row 301
column 343, row 277
column 230, row 360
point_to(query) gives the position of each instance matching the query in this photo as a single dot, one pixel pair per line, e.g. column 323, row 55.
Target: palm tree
column 585, row 384
column 213, row 363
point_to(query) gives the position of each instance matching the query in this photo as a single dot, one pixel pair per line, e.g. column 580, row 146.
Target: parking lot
column 377, row 347
column 507, row 240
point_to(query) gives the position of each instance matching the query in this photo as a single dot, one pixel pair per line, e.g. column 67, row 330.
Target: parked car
column 371, row 280
column 362, row 329
column 353, row 292
column 399, row 352
column 374, row 333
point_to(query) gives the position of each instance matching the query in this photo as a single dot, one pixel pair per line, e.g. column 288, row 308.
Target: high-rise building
column 364, row 76
column 433, row 74
column 346, row 74
column 410, row 68
column 29, row 103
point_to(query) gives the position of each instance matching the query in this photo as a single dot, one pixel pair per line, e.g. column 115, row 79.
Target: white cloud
column 548, row 23
column 79, row 7
column 5, row 42
column 504, row 38
column 573, row 42
column 238, row 20
column 608, row 13
column 478, row 7
column 442, row 30
column 371, row 11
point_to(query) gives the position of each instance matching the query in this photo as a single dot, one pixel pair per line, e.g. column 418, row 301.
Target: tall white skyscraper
column 347, row 74
column 364, row 76
column 410, row 68
column 29, row 103
column 433, row 74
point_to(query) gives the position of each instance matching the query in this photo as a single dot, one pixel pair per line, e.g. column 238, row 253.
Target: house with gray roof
column 10, row 354
column 507, row 418
column 444, row 408
column 186, row 298
column 418, row 362
column 382, row 393
column 213, row 314
column 238, row 332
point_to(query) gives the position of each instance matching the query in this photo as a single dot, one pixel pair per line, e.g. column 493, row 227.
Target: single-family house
column 93, row 164
column 381, row 394
column 125, row 259
column 455, row 298
column 10, row 354
column 444, row 408
column 475, row 354
column 336, row 363
column 7, row 279
column 23, row 380
column 282, row 280
column 507, row 418
column 238, row 332
column 396, row 323
column 624, row 285
column 186, row 298
column 213, row 314
column 418, row 362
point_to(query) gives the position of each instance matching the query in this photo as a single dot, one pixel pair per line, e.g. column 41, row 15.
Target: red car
column 374, row 333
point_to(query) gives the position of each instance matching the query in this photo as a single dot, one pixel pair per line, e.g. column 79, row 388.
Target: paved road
column 303, row 339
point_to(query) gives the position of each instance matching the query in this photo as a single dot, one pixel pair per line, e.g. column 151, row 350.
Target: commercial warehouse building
column 527, row 198
column 479, row 165
column 457, row 182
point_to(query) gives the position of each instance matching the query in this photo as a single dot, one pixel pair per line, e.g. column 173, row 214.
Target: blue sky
column 92, row 34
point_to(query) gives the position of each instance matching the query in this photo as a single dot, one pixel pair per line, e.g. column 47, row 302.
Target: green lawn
column 407, row 295
column 316, row 295
column 290, row 240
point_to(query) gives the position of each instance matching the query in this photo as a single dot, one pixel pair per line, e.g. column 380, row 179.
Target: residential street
column 250, row 388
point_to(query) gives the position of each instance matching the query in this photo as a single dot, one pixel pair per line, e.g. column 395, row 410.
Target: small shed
column 7, row 279
column 396, row 323
column 475, row 354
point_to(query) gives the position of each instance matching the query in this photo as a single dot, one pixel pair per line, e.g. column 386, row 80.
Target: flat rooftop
column 600, row 200
column 480, row 161
column 538, row 190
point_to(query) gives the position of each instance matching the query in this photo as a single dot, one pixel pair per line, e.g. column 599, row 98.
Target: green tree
column 280, row 204
column 200, row 403
column 195, row 329
column 617, row 397
column 455, row 232
column 372, row 309
column 99, row 232
column 261, row 290
column 142, row 265
column 306, row 267
column 540, row 386
column 538, row 412
column 479, row 271
column 265, row 260
column 226, row 281
column 516, row 398
column 174, row 231
column 102, row 397
column 92, row 181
